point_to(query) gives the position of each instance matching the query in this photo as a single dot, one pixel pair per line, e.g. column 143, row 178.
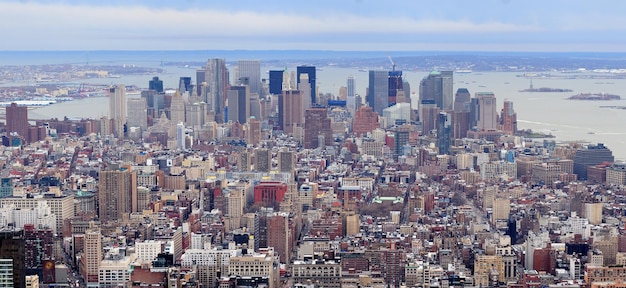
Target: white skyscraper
column 351, row 93
column 250, row 69
column 180, row 136
column 117, row 108
column 177, row 108
column 138, row 113
column 487, row 119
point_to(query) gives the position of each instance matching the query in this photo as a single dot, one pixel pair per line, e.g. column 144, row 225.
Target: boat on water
column 463, row 71
column 594, row 97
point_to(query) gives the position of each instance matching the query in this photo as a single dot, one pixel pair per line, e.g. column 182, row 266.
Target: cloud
column 62, row 26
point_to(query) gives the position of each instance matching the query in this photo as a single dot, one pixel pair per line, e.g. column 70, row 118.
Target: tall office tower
column 462, row 100
column 254, row 131
column 155, row 84
column 487, row 116
column 401, row 138
column 239, row 104
column 428, row 116
column 474, row 113
column 508, row 118
column 117, row 194
column 407, row 92
column 180, row 136
column 195, row 114
column 460, row 124
column 310, row 70
column 305, row 91
column 351, row 93
column 17, row 120
column 216, row 77
column 200, row 78
column 155, row 102
column 276, row 81
column 255, row 106
column 263, row 160
column 290, row 110
column 286, row 161
column 90, row 261
column 591, row 155
column 251, row 69
column 317, row 130
column 278, row 235
column 177, row 108
column 38, row 248
column 117, row 109
column 184, row 85
column 12, row 258
column 365, row 121
column 378, row 91
column 395, row 88
column 444, row 132
column 438, row 86
column 137, row 113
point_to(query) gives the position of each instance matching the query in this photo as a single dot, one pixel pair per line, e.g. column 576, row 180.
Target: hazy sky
column 462, row 25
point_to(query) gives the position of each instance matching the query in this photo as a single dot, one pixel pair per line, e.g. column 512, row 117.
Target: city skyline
column 325, row 25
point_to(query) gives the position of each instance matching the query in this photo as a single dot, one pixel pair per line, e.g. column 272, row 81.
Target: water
column 544, row 112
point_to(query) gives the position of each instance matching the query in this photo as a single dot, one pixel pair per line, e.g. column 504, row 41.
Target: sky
column 344, row 25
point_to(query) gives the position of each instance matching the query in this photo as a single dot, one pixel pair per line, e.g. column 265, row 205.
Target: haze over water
column 546, row 112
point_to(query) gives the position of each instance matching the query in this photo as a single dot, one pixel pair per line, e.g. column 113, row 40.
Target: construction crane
column 393, row 64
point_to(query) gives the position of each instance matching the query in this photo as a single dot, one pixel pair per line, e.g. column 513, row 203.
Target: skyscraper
column 251, row 69
column 12, row 258
column 276, row 82
column 310, row 70
column 292, row 110
column 155, row 84
column 138, row 113
column 378, row 91
column 239, row 104
column 90, row 262
column 180, row 136
column 117, row 194
column 317, row 128
column 184, row 85
column 350, row 101
column 177, row 108
column 263, row 160
column 444, row 133
column 487, row 116
column 462, row 100
column 508, row 118
column 117, row 109
column 17, row 120
column 437, row 86
column 396, row 92
column 216, row 77
column 401, row 138
column 200, row 78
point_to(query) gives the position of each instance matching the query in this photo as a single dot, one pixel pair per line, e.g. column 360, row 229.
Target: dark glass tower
column 156, row 84
column 443, row 133
column 276, row 82
column 592, row 155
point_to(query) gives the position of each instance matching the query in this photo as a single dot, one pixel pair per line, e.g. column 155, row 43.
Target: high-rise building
column 263, row 160
column 184, row 85
column 460, row 124
column 200, row 78
column 117, row 109
column 180, row 136
column 117, row 194
column 239, row 104
column 156, row 84
column 12, row 258
column 286, row 161
column 365, row 120
column 444, row 131
column 290, row 113
column 591, row 155
column 177, row 108
column 378, row 91
column 508, row 118
column 254, row 131
column 278, row 235
column 487, row 115
column 216, row 77
column 251, row 69
column 401, row 138
column 195, row 114
column 276, row 82
column 310, row 70
column 138, row 113
column 462, row 100
column 317, row 128
column 396, row 92
column 90, row 261
column 38, row 247
column 351, row 93
column 428, row 116
column 17, row 120
column 437, row 86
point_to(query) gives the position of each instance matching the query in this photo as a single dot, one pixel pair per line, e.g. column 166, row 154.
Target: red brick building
column 270, row 192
